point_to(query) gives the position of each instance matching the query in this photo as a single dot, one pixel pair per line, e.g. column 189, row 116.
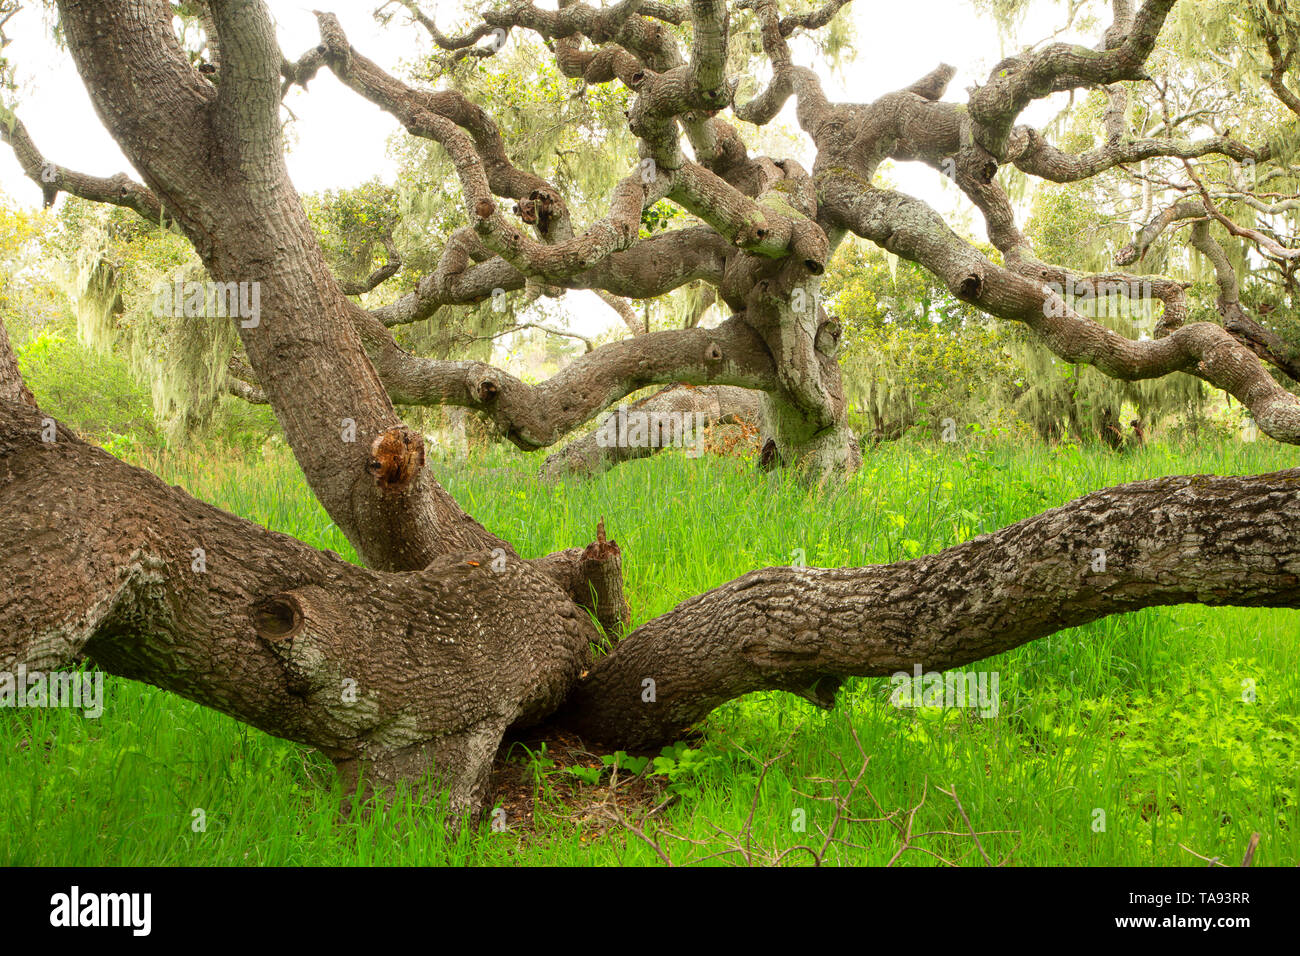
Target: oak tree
column 447, row 638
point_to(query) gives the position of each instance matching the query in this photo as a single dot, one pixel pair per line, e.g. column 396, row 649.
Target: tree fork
column 390, row 675
column 106, row 563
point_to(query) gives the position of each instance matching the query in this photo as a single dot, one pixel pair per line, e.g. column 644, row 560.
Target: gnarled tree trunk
column 424, row 659
column 417, row 675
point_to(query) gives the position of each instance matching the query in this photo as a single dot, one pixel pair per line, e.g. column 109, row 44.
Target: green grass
column 1141, row 717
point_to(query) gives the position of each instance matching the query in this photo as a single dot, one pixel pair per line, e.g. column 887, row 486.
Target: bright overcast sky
column 340, row 139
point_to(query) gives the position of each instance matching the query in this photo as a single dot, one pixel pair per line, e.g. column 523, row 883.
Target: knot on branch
column 278, row 618
column 486, row 388
column 121, row 184
column 396, row 457
column 970, row 287
column 716, row 98
column 811, row 246
column 290, row 624
column 337, row 49
column 827, row 341
column 752, row 234
column 1005, row 69
column 540, row 209
column 484, row 208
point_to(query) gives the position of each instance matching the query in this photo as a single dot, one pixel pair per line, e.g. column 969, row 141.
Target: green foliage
column 911, row 351
column 90, row 391
column 1139, row 714
column 682, row 766
column 899, row 378
column 913, row 354
column 114, row 266
column 537, row 762
column 352, row 225
column 620, row 760
column 660, row 216
column 867, row 288
column 1216, row 739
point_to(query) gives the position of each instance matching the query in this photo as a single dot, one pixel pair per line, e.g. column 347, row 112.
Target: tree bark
column 703, row 406
column 215, row 158
column 1212, row 541
column 413, row 668
column 390, row 675
column 416, row 676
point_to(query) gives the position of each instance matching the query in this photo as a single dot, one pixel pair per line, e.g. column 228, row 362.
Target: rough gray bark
column 213, row 156
column 449, row 637
column 416, row 676
column 770, row 225
column 1196, row 539
column 390, row 675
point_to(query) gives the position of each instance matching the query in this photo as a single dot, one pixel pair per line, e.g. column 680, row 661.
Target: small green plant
column 588, row 775
column 622, row 760
column 538, row 764
column 681, row 765
column 619, row 760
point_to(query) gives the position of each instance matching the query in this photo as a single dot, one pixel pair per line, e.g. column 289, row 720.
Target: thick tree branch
column 656, row 265
column 152, row 585
column 911, row 229
column 1137, row 249
column 1031, row 153
column 1017, row 81
column 669, row 414
column 1214, row 541
column 537, row 416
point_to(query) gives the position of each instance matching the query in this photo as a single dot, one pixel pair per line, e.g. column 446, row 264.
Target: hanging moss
column 112, row 283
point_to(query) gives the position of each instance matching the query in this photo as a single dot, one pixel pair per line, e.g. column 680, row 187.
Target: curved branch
column 1017, row 81
column 911, row 229
column 657, row 265
column 380, row 275
column 536, row 416
column 441, row 116
column 1281, row 64
column 624, row 311
column 1031, row 153
column 1266, row 344
column 1213, row 541
column 118, row 190
column 673, row 417
column 787, row 79
column 1137, row 249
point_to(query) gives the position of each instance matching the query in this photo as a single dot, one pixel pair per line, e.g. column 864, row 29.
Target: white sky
column 340, row 139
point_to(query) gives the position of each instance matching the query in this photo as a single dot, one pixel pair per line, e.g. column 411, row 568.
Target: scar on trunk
column 396, row 457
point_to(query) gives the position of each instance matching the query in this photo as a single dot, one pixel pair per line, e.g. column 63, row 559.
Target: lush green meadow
column 1147, row 718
